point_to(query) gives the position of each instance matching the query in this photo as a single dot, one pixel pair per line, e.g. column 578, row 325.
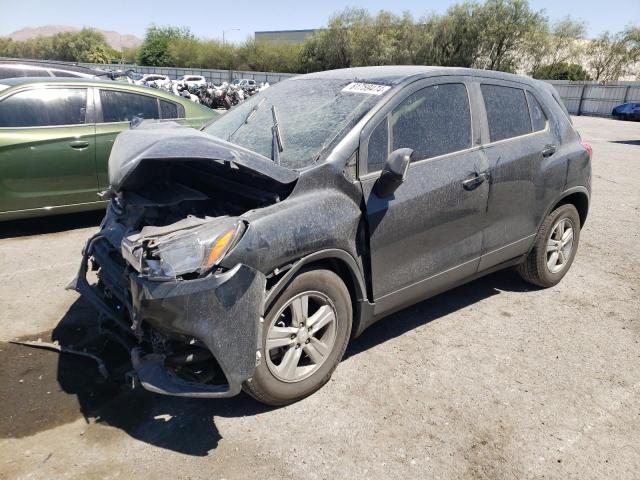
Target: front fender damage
column 221, row 311
column 171, row 325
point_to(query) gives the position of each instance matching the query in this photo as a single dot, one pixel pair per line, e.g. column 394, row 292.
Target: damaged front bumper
column 220, row 313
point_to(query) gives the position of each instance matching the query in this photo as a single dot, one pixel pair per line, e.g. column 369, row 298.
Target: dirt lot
column 492, row 380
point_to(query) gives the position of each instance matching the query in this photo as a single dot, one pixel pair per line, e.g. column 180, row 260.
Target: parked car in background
column 134, row 76
column 159, row 80
column 56, row 136
column 192, row 80
column 246, row 84
column 317, row 207
column 627, row 111
column 13, row 68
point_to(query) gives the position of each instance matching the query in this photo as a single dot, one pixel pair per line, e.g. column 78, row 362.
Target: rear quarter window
column 125, row 106
column 507, row 111
column 171, row 110
column 538, row 117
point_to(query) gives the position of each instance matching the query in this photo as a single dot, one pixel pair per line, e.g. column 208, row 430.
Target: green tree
column 129, row 55
column 632, row 39
column 215, row 54
column 356, row 38
column 87, row 45
column 259, row 56
column 610, row 56
column 561, row 71
column 489, row 35
column 561, row 42
column 452, row 39
column 155, row 49
column 185, row 52
column 504, row 28
column 332, row 47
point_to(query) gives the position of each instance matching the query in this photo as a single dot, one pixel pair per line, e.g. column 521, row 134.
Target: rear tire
column 554, row 248
column 304, row 337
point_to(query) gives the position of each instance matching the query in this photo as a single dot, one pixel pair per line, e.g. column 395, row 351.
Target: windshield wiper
column 276, row 137
column 249, row 116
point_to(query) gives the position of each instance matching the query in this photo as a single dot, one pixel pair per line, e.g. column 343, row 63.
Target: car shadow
column 436, row 307
column 50, row 224
column 184, row 425
column 188, row 425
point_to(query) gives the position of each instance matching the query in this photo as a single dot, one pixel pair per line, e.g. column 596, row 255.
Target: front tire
column 554, row 249
column 304, row 337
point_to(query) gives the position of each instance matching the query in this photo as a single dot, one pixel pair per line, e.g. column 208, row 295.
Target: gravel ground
column 491, row 380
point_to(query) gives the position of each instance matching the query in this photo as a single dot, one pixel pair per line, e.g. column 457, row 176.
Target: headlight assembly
column 196, row 250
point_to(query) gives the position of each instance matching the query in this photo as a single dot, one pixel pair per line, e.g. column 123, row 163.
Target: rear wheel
column 554, row 249
column 304, row 336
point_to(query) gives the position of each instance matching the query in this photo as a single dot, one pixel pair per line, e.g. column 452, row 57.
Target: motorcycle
column 235, row 94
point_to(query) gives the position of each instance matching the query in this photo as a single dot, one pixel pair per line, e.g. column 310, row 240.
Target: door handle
column 475, row 182
column 79, row 144
column 548, row 150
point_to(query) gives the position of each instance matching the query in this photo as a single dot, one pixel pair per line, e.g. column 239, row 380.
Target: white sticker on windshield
column 370, row 88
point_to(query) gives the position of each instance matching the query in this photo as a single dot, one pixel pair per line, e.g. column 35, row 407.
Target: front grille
column 113, row 270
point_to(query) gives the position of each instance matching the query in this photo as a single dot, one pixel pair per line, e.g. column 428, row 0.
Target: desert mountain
column 114, row 39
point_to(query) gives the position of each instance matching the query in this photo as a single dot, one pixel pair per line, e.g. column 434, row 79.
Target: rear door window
column 538, row 117
column 433, row 121
column 125, row 106
column 44, row 107
column 507, row 111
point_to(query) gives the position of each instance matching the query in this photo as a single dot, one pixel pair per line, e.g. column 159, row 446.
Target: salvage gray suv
column 246, row 255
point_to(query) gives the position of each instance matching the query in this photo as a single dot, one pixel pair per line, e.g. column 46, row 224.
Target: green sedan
column 56, row 135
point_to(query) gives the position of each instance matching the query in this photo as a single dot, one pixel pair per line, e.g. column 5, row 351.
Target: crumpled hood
column 166, row 141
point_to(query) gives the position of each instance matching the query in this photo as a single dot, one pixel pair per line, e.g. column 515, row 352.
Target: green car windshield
column 312, row 114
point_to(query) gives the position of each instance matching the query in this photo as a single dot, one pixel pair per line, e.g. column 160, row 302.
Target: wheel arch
column 339, row 262
column 579, row 198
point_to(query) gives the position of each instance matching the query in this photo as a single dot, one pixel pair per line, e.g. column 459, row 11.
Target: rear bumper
column 221, row 311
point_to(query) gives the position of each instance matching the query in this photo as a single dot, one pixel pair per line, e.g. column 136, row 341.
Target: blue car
column 627, row 111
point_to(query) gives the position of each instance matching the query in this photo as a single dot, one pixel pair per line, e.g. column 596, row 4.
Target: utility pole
column 230, row 30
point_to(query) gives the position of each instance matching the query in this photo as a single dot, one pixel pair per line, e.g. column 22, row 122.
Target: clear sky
column 210, row 18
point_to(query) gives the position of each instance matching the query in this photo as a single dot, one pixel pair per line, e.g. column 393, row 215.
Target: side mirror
column 394, row 172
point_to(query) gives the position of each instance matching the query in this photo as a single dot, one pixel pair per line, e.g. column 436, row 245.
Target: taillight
column 588, row 148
